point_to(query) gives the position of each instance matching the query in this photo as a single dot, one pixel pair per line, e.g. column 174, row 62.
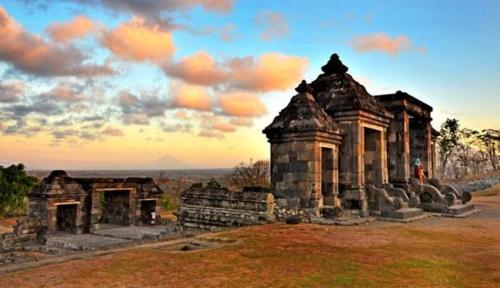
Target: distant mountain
column 168, row 162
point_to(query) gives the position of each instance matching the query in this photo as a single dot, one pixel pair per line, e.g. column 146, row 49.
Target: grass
column 436, row 252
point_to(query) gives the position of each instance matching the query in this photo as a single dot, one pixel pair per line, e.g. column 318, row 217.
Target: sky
column 124, row 84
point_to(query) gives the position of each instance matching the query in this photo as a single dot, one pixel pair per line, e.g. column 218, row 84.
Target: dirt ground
column 435, row 252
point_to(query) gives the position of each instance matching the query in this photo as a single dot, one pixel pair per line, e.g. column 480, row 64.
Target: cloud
column 62, row 134
column 78, row 27
column 381, row 42
column 65, row 92
column 181, row 115
column 22, row 128
column 154, row 9
column 30, row 53
column 191, row 97
column 242, row 121
column 137, row 41
column 147, row 105
column 199, row 68
column 11, row 92
column 186, row 128
column 135, row 119
column 273, row 24
column 38, row 107
column 227, row 33
column 242, row 104
column 268, row 72
column 211, row 134
column 110, row 131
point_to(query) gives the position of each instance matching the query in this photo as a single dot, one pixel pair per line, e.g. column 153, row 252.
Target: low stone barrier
column 213, row 206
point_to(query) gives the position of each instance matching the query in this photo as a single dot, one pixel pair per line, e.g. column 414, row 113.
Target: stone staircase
column 461, row 211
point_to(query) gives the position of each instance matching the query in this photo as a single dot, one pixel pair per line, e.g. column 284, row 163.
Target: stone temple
column 60, row 203
column 335, row 147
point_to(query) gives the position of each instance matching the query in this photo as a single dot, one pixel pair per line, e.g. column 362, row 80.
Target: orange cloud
column 274, row 25
column 212, row 122
column 268, row 72
column 199, row 68
column 381, row 42
column 181, row 115
column 110, row 131
column 79, row 27
column 191, row 97
column 242, row 121
column 30, row 53
column 242, row 104
column 137, row 41
column 271, row 71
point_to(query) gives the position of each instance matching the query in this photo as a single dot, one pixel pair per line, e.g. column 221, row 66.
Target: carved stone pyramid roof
column 335, row 90
column 302, row 114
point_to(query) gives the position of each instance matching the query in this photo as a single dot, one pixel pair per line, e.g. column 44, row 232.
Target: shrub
column 14, row 185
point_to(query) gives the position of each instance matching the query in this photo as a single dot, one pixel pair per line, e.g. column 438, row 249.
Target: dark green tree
column 447, row 141
column 14, row 185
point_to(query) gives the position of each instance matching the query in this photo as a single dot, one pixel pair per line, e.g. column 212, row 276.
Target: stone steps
column 460, row 209
column 403, row 213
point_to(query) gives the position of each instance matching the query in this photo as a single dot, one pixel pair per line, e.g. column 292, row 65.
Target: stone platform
column 109, row 236
column 461, row 211
column 133, row 232
column 403, row 213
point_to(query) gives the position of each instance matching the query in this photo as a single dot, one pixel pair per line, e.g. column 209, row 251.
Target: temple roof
column 336, row 90
column 399, row 95
column 302, row 114
column 59, row 183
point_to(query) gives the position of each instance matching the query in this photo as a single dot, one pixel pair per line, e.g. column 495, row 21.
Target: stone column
column 398, row 148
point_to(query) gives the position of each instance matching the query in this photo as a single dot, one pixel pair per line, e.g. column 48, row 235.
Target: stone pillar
column 398, row 148
column 429, row 156
column 295, row 170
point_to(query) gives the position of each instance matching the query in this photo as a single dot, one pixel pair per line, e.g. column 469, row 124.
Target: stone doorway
column 418, row 143
column 147, row 207
column 66, row 217
column 327, row 169
column 372, row 157
column 115, row 207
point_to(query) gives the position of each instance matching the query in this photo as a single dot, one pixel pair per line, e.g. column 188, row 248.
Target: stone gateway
column 335, row 147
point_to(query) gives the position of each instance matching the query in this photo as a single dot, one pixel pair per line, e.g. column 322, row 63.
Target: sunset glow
column 111, row 84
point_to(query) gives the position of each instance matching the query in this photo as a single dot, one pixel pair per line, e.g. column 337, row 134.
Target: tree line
column 462, row 151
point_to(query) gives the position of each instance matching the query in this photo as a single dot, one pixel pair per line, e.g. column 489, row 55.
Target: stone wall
column 212, row 206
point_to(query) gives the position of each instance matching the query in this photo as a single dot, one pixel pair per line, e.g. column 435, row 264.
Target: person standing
column 153, row 218
column 419, row 171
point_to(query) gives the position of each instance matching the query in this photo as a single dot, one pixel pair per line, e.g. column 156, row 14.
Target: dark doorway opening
column 147, row 208
column 418, row 142
column 327, row 166
column 66, row 218
column 115, row 207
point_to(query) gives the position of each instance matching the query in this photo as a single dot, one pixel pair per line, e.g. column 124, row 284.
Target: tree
column 253, row 174
column 14, row 185
column 447, row 141
column 490, row 140
column 465, row 149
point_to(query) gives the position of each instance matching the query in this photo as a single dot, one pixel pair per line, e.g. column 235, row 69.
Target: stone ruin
column 337, row 152
column 336, row 149
column 82, row 205
column 213, row 206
